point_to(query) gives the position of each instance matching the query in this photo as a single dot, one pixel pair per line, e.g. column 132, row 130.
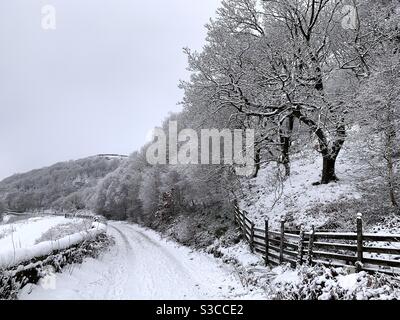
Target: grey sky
column 98, row 83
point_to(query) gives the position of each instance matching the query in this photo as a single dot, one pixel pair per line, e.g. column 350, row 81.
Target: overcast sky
column 98, row 83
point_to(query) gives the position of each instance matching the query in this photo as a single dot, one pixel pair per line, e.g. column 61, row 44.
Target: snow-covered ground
column 307, row 282
column 39, row 236
column 321, row 283
column 26, row 233
column 142, row 265
column 296, row 198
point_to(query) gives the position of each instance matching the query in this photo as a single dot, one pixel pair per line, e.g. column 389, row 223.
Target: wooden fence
column 371, row 252
column 97, row 218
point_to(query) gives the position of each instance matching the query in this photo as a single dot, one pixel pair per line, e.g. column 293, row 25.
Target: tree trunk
column 286, row 141
column 257, row 159
column 285, row 160
column 328, row 170
column 390, row 135
column 329, row 153
column 391, row 180
column 392, row 195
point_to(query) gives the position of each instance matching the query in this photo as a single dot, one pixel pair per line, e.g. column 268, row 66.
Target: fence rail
column 85, row 216
column 363, row 251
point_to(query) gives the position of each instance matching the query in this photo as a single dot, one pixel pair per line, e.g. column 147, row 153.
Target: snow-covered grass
column 62, row 230
column 15, row 256
column 305, row 282
column 20, row 237
column 321, row 283
column 24, row 233
column 299, row 201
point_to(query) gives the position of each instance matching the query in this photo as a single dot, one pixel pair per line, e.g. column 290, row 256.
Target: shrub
column 322, row 283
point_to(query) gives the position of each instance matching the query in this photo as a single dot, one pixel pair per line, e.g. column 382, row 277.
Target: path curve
column 141, row 265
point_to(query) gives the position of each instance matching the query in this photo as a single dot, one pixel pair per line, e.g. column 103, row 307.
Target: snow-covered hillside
column 330, row 206
column 65, row 185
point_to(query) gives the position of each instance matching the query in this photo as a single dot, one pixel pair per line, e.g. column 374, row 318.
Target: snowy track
column 141, row 265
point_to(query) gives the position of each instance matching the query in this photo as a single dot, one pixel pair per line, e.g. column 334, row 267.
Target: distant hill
column 66, row 185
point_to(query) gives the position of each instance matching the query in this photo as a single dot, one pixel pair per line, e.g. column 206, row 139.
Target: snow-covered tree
column 150, row 192
column 2, row 209
column 274, row 61
column 380, row 101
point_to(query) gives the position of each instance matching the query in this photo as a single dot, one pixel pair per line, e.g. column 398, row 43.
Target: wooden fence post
column 236, row 209
column 359, row 243
column 266, row 243
column 244, row 225
column 282, row 237
column 252, row 237
column 236, row 216
column 300, row 246
column 235, row 204
column 311, row 245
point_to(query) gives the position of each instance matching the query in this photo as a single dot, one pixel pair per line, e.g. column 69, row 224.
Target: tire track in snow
column 124, row 238
column 159, row 247
column 140, row 266
column 117, row 271
column 159, row 265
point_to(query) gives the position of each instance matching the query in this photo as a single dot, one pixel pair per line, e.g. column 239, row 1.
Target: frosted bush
column 323, row 283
